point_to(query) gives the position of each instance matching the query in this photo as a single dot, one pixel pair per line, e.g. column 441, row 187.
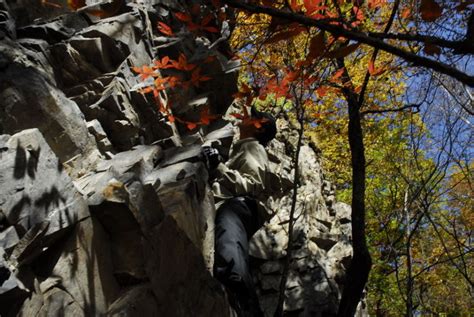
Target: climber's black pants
column 236, row 222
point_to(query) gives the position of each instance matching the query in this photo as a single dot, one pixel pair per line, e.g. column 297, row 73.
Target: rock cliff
column 105, row 205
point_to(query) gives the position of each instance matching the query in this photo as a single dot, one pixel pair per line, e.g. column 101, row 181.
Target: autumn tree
column 338, row 31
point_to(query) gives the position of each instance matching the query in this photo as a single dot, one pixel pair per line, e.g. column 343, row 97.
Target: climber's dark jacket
column 244, row 174
column 240, row 188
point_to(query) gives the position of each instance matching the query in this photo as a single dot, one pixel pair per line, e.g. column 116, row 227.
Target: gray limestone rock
column 7, row 24
column 136, row 301
column 319, row 256
column 181, row 283
column 186, row 196
column 101, row 138
column 36, row 195
column 29, row 100
column 79, row 284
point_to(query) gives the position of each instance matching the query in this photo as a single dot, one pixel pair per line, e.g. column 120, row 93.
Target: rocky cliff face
column 105, row 206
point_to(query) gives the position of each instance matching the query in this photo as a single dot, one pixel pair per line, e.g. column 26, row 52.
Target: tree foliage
column 281, row 48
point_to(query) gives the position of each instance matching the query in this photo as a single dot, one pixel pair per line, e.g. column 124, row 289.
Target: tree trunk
column 409, row 301
column 289, row 249
column 358, row 271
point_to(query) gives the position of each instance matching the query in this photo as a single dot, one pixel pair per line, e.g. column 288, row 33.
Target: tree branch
column 416, row 106
column 361, row 37
column 375, row 53
column 459, row 47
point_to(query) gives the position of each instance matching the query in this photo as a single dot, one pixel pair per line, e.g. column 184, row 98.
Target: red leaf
column 290, row 77
column 343, row 51
column 182, row 63
column 165, row 29
column 171, row 118
column 284, row 35
column 430, row 10
column 206, row 117
column 431, row 49
column 196, row 76
column 207, row 19
column 311, row 6
column 374, row 4
column 183, row 17
column 195, row 9
column 317, row 46
column 164, row 63
column 359, row 15
column 211, row 29
column 209, row 59
column 237, row 115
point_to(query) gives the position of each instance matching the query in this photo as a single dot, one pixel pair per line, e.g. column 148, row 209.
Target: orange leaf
column 165, row 29
column 145, row 90
column 406, row 13
column 171, row 118
column 373, row 71
column 76, row 4
column 145, row 72
column 51, row 4
column 430, row 10
column 191, row 125
column 257, row 124
column 322, row 91
column 164, row 63
column 337, row 74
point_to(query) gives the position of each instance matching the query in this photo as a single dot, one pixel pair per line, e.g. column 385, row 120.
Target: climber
column 239, row 189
